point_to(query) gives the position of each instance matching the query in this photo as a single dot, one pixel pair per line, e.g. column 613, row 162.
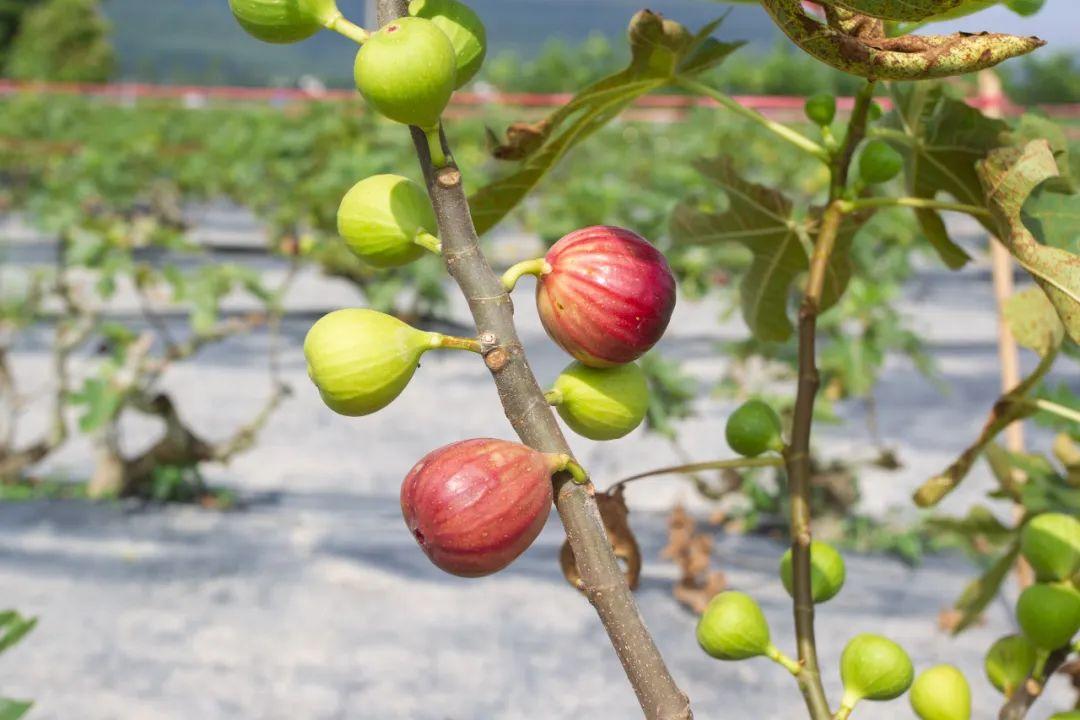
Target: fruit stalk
column 340, row 24
column 1025, row 696
column 533, row 420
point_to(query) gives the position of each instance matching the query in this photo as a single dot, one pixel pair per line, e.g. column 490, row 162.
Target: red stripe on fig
column 608, row 296
column 474, row 506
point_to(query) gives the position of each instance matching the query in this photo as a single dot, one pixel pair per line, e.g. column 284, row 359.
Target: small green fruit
column 601, row 403
column 1009, row 662
column 464, row 28
column 753, row 428
column 734, row 628
column 821, row 109
column 827, row 571
column 1049, row 615
column 283, row 21
column 941, row 693
column 879, row 162
column 406, row 71
column 382, row 217
column 360, row 360
column 874, row 668
column 1051, row 543
column 1067, row 715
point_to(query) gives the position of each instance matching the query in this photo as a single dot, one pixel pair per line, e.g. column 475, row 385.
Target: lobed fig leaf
column 406, row 71
column 1050, row 543
column 464, row 29
column 605, row 295
column 1009, row 662
column 941, row 693
column 873, row 667
column 827, row 572
column 1049, row 615
column 734, row 628
column 601, row 403
column 361, row 360
column 386, row 219
column 283, row 21
column 753, row 428
column 474, row 506
column 908, row 57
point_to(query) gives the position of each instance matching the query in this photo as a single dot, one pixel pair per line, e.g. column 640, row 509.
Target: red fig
column 475, row 505
column 604, row 294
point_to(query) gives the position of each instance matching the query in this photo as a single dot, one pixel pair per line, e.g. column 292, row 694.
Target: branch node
column 496, row 359
column 448, row 177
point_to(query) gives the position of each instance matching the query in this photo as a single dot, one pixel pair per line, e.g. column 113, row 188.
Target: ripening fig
column 754, row 428
column 1009, row 662
column 474, row 506
column 604, row 294
column 406, row 71
column 387, row 220
column 879, row 162
column 464, row 29
column 874, row 668
column 283, row 21
column 360, row 359
column 601, row 403
column 734, row 628
column 1051, row 544
column 941, row 693
column 1049, row 615
column 827, row 572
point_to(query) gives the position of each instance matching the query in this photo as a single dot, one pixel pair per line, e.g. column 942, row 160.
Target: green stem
column 843, row 713
column 537, row 267
column 339, row 24
column 913, row 202
column 732, row 464
column 554, row 397
column 793, row 137
column 450, row 342
column 428, row 241
column 563, row 462
column 780, row 658
column 899, row 136
column 434, row 141
column 1052, row 407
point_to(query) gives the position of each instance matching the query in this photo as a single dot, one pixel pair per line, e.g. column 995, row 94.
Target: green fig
column 387, row 221
column 879, row 162
column 734, row 628
column 1049, row 615
column 283, row 21
column 1051, row 543
column 753, row 428
column 821, row 109
column 1009, row 662
column 827, row 571
column 360, row 360
column 1067, row 715
column 874, row 668
column 406, row 71
column 464, row 28
column 941, row 693
column 601, row 403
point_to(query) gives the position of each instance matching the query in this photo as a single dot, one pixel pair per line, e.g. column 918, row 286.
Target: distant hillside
column 198, row 41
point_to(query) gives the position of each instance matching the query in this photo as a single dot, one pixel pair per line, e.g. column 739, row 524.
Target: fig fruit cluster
column 1048, row 611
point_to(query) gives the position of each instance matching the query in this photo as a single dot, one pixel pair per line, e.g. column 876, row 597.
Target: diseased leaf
column 1033, row 321
column 910, row 10
column 1053, row 218
column 982, row 591
column 1009, row 175
column 659, row 50
column 760, row 219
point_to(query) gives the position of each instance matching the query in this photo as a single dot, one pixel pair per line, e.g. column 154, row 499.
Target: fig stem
column 912, row 202
column 435, row 148
column 1053, row 407
column 562, row 462
column 774, row 654
column 340, row 24
column 456, row 343
column 428, row 241
column 554, row 397
column 537, row 267
column 732, row 464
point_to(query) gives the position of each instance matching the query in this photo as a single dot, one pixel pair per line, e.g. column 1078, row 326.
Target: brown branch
column 1025, row 696
column 856, row 131
column 532, row 419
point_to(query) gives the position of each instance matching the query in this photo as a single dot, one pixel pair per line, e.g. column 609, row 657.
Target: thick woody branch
column 532, row 419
